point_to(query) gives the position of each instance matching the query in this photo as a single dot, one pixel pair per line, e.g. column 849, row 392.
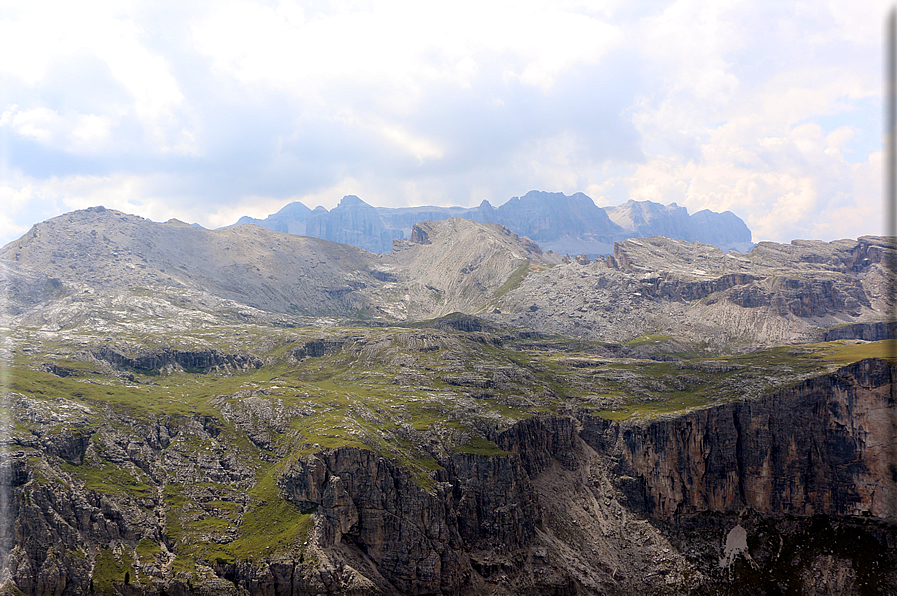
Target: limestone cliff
column 825, row 446
column 646, row 218
column 353, row 222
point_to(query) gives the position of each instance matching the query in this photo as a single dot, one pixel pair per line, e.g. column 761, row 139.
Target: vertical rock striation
column 416, row 537
column 826, row 446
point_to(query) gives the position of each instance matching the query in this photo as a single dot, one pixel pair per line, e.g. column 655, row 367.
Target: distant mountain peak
column 294, row 209
column 571, row 224
column 351, row 200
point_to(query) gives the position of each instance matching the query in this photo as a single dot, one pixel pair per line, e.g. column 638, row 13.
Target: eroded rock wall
column 826, row 446
column 416, row 534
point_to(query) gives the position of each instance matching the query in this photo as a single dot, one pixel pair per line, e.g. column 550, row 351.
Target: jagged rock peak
column 642, row 219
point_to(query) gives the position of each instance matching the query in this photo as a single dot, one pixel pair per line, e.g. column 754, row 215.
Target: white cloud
column 72, row 132
column 859, row 22
column 9, row 229
column 34, row 124
column 42, row 36
column 20, row 198
column 224, row 215
column 420, row 147
column 732, row 120
column 397, row 43
column 14, row 199
column 209, row 111
column 793, row 185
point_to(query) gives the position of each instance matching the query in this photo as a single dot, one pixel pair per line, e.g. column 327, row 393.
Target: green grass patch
column 514, row 280
column 481, row 446
column 845, row 353
column 647, row 389
column 147, row 550
column 653, row 409
column 110, row 571
column 617, row 415
column 274, row 525
column 183, row 565
column 271, row 525
column 110, row 479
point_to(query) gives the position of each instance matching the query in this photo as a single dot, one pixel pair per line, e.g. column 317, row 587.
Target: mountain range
column 248, row 412
column 565, row 224
column 695, row 292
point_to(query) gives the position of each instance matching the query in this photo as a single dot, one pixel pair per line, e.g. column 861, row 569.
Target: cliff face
column 416, row 538
column 646, row 218
column 545, row 216
column 815, row 460
column 778, row 494
column 865, row 331
column 353, row 222
column 776, row 294
column 823, row 447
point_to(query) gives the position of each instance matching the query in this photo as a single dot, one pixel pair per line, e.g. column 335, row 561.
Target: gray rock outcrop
column 91, row 264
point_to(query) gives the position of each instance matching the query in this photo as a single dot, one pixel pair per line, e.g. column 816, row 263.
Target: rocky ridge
column 98, row 265
column 103, row 253
column 643, row 219
column 776, row 294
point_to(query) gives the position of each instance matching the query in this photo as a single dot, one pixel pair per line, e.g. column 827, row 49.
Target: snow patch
column 736, row 543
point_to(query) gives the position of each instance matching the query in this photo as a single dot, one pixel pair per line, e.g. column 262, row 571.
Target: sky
column 208, row 111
